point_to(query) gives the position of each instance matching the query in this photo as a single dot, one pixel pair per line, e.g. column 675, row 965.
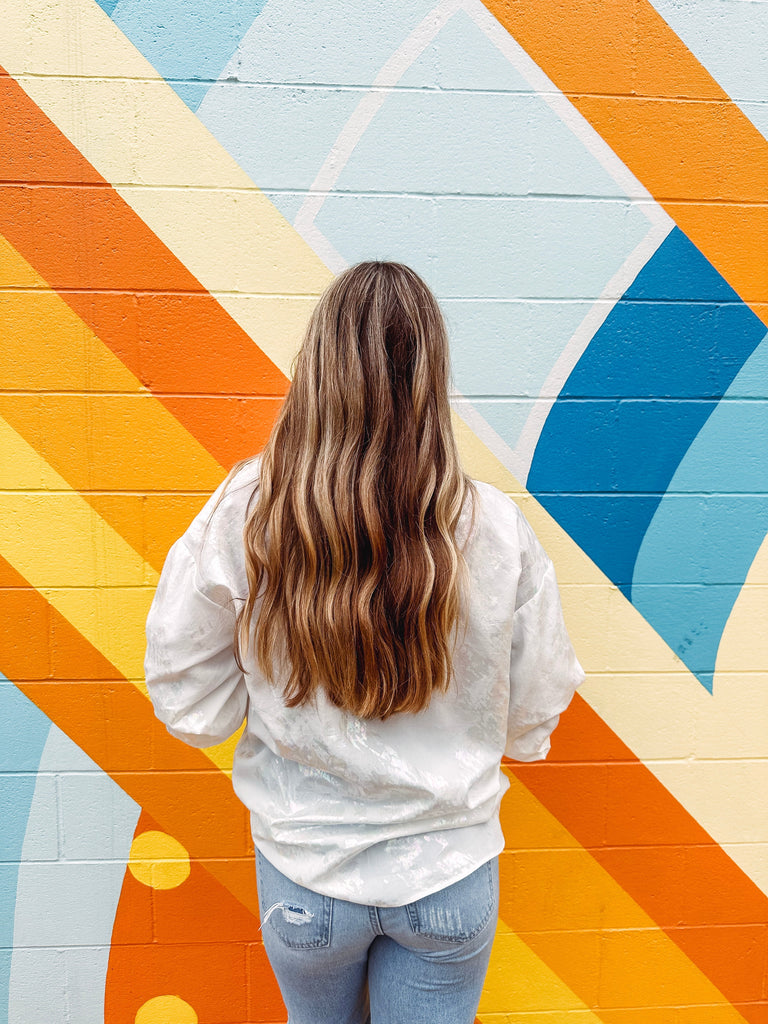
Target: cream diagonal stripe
column 79, row 68
column 85, row 570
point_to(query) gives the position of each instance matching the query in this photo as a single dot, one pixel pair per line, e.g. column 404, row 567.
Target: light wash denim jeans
column 346, row 963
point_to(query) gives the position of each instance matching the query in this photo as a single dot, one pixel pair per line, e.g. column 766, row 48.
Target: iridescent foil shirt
column 377, row 812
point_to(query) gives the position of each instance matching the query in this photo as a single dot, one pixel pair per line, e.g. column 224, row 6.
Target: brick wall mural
column 584, row 187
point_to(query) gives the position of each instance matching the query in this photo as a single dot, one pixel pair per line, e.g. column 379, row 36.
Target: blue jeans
column 347, row 963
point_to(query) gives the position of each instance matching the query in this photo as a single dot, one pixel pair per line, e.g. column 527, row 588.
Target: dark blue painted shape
column 633, row 403
column 608, row 522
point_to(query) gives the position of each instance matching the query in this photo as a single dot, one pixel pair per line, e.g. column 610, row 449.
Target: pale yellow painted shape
column 166, row 1010
column 275, row 322
column 744, row 643
column 158, row 860
column 74, row 62
column 231, row 240
column 638, row 685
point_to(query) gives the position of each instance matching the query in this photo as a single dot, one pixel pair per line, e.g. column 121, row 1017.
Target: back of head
column 353, row 565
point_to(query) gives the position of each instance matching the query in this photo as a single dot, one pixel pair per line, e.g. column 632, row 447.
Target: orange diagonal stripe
column 655, row 850
column 663, row 114
column 128, row 287
column 204, row 946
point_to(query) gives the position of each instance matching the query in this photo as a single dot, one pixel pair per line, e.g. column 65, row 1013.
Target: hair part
column 354, row 569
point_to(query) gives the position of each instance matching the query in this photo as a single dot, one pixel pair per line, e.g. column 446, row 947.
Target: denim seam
column 373, row 917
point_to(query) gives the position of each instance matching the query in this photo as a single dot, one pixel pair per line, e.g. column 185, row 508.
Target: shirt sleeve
column 543, row 669
column 193, row 680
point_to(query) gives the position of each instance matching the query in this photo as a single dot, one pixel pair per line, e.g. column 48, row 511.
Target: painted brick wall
column 584, row 187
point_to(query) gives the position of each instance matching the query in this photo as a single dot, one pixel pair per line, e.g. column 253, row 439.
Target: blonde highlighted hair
column 354, row 567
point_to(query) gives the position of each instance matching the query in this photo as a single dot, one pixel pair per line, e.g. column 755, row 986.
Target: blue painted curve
column 639, row 396
column 707, row 529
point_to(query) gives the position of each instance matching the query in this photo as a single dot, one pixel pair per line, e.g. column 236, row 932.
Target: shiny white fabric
column 373, row 812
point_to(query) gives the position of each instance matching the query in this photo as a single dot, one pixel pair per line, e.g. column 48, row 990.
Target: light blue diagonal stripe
column 188, row 43
column 710, row 524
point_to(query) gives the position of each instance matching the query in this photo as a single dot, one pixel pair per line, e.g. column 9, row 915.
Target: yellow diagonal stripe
column 119, row 438
column 575, row 917
column 83, row 567
column 38, row 326
column 517, row 977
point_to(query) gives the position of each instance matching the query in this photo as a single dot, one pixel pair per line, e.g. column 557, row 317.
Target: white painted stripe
column 493, row 441
column 390, row 74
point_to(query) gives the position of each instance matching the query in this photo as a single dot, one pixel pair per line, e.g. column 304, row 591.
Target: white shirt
column 377, row 812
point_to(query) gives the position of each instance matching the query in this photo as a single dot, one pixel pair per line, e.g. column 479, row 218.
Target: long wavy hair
column 354, row 568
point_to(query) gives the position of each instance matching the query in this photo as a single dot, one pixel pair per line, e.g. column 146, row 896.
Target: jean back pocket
column 458, row 912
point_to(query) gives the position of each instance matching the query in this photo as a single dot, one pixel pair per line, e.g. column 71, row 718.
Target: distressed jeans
column 338, row 962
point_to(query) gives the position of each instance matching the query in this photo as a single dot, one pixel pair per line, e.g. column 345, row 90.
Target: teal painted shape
column 507, row 141
column 279, row 136
column 188, row 43
column 709, row 526
column 23, row 732
column 281, row 133
column 72, row 988
column 5, row 954
column 462, row 57
column 499, row 139
column 341, row 43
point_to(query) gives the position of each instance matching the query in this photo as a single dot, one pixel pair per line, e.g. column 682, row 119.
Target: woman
column 389, row 629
